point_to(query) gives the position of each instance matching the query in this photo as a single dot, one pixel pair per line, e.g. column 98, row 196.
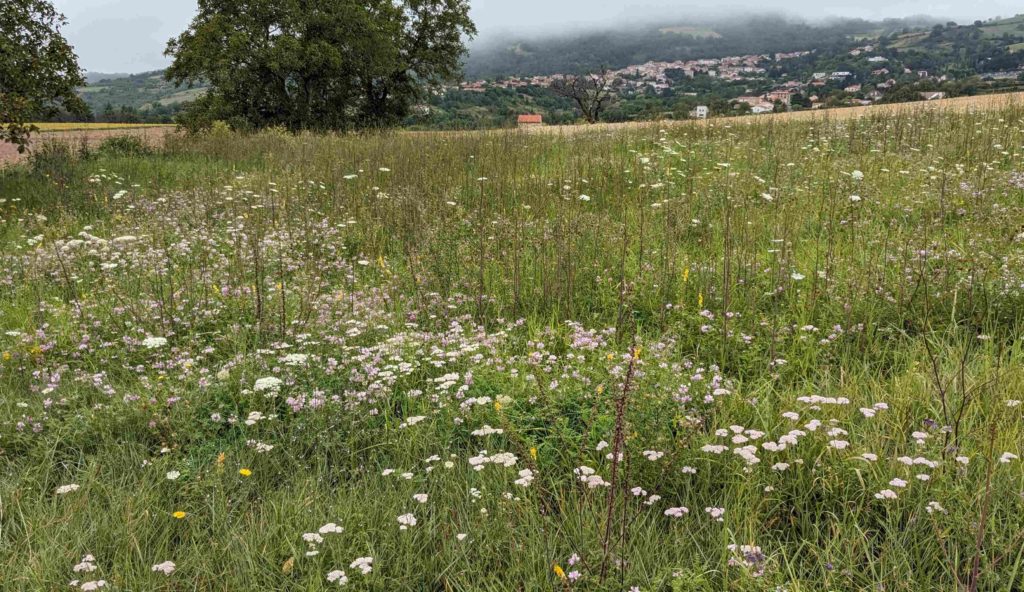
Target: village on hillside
column 772, row 85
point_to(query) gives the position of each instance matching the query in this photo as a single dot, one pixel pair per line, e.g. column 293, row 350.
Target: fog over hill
column 671, row 38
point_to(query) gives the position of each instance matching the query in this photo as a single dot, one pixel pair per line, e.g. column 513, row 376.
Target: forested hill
column 670, row 40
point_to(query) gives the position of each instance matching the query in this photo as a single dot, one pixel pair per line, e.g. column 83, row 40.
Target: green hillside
column 148, row 91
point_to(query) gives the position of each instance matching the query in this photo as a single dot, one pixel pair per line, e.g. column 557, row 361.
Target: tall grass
column 577, row 346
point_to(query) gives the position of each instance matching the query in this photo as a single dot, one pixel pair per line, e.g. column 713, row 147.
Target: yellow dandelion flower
column 245, row 472
column 533, row 453
column 558, row 571
column 179, row 514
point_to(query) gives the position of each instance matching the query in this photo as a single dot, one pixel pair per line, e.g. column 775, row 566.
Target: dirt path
column 153, row 136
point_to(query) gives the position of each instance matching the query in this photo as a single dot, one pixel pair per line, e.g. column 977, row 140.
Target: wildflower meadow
column 746, row 355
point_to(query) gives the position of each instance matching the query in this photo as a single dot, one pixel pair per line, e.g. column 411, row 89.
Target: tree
column 318, row 64
column 591, row 92
column 38, row 69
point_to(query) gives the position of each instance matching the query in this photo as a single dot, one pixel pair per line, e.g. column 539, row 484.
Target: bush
column 124, row 146
column 52, row 160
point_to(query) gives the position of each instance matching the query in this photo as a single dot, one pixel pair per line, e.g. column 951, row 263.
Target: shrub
column 124, row 146
column 52, row 160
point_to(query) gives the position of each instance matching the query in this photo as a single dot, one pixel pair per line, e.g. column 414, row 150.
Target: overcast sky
column 130, row 35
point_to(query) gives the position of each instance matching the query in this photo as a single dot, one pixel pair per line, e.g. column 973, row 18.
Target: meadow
column 752, row 355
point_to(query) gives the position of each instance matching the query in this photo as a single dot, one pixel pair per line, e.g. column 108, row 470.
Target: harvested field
column 152, row 135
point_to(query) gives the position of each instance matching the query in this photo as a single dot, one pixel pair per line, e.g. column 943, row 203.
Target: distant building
column 784, row 96
column 531, row 120
column 853, row 88
column 752, row 101
column 762, row 108
column 932, row 96
column 700, row 112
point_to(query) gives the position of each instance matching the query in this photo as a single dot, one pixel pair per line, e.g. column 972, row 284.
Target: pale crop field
column 750, row 356
column 70, row 127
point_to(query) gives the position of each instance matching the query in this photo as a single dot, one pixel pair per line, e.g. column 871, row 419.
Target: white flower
column 173, row 475
column 167, row 567
column 330, row 528
column 421, row 498
column 69, row 488
column 154, row 342
column 91, row 586
column 295, row 359
column 337, row 577
column 886, row 494
column 678, row 512
column 363, row 564
column 797, row 276
column 854, row 198
column 312, row 538
column 405, row 521
column 411, row 421
column 1007, row 457
column 269, row 383
column 857, row 175
column 584, row 198
column 525, row 478
column 487, row 431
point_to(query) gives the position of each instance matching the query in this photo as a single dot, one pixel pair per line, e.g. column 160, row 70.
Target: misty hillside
column 672, row 40
column 976, row 47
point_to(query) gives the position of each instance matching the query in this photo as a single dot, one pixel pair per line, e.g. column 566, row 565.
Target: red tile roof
column 531, row 119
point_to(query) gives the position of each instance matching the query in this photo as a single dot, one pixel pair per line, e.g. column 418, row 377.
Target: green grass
column 714, row 279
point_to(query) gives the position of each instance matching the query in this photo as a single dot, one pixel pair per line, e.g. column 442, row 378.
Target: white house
column 700, row 112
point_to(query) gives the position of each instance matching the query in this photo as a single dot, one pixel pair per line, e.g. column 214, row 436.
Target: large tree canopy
column 38, row 69
column 318, row 64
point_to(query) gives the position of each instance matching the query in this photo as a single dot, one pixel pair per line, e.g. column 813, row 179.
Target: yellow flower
column 245, row 472
column 600, row 388
column 179, row 514
column 7, row 356
column 497, row 405
column 559, row 571
column 533, row 453
column 700, row 301
column 686, row 275
column 636, row 352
